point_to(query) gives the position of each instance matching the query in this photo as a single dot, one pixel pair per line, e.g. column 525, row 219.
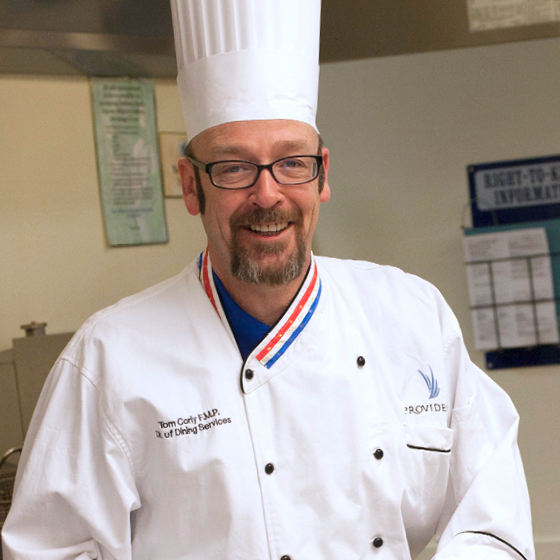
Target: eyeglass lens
column 287, row 171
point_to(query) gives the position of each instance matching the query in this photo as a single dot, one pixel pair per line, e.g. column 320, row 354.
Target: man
column 266, row 403
column 259, row 235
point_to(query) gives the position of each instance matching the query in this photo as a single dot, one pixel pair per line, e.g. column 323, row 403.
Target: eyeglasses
column 239, row 174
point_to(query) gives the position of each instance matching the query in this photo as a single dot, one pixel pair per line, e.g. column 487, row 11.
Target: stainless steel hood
column 134, row 37
column 87, row 37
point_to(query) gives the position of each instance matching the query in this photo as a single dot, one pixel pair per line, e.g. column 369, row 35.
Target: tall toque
column 242, row 60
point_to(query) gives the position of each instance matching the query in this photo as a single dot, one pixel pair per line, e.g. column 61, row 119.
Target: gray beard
column 249, row 267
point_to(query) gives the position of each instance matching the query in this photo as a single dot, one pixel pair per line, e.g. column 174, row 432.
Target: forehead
column 256, row 139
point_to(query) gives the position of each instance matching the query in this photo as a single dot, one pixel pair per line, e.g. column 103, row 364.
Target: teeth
column 264, row 228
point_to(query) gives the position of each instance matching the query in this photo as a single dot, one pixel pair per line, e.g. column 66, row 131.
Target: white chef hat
column 244, row 60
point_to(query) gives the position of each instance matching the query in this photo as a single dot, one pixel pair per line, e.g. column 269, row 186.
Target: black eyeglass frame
column 207, row 168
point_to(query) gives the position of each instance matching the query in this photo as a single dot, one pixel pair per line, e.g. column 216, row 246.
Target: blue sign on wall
column 507, row 192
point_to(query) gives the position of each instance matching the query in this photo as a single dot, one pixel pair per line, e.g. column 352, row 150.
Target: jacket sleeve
column 75, row 487
column 486, row 515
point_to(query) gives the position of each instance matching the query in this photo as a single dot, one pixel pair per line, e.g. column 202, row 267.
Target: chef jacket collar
column 286, row 339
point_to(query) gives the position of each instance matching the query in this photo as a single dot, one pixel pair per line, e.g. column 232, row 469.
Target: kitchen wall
column 56, row 265
column 401, row 130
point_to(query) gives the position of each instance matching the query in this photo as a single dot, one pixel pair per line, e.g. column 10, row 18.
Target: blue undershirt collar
column 247, row 330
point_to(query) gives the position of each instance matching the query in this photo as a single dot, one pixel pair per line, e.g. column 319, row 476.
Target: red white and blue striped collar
column 205, row 276
column 290, row 325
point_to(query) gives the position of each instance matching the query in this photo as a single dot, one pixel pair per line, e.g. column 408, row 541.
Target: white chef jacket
column 357, row 429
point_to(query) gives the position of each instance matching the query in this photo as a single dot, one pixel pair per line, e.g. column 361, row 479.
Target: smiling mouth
column 268, row 229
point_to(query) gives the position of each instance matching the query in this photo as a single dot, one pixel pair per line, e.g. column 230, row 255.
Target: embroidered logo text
column 191, row 425
column 433, row 392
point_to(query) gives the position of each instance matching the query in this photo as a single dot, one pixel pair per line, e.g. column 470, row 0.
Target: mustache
column 265, row 215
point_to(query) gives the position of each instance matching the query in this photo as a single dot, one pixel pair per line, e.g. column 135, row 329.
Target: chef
column 266, row 403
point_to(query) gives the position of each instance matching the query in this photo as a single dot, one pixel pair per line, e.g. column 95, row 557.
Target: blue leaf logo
column 431, row 382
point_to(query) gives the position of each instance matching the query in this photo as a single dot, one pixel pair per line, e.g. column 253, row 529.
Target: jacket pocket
column 428, row 438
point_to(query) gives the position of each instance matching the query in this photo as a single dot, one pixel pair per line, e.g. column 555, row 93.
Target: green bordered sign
column 128, row 162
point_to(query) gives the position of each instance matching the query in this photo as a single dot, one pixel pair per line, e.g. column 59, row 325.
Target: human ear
column 188, row 185
column 326, row 192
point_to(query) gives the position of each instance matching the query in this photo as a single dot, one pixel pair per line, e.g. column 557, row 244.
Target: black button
column 285, row 557
column 249, row 374
column 361, row 361
column 378, row 454
column 269, row 469
column 378, row 542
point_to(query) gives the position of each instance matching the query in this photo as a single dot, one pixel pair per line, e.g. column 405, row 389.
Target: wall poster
column 128, row 162
column 513, row 191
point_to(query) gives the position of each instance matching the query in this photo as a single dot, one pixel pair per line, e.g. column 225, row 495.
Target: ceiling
column 134, row 37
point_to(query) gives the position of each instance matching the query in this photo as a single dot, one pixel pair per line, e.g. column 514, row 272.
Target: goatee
column 247, row 263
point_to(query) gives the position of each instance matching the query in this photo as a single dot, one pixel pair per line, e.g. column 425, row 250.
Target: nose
column 266, row 192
